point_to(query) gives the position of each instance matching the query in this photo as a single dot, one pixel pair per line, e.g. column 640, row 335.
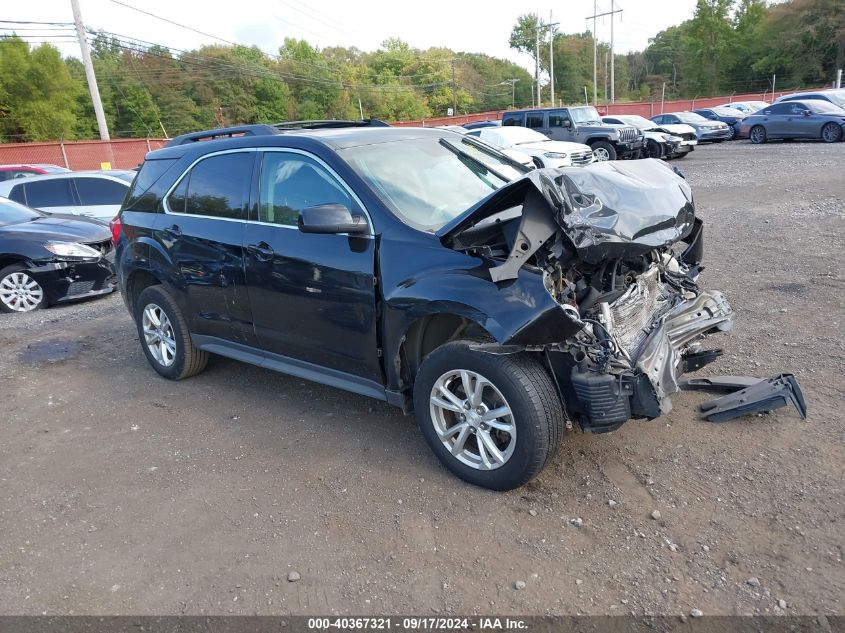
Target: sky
column 479, row 27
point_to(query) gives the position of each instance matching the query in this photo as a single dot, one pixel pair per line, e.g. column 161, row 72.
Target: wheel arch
column 136, row 282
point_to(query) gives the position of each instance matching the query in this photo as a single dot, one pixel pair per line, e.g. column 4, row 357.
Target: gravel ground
column 245, row 491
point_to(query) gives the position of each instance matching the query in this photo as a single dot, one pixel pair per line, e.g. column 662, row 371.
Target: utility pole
column 774, row 77
column 512, row 82
column 595, row 46
column 839, row 78
column 454, row 92
column 537, row 59
column 605, row 76
column 612, row 57
column 551, row 60
column 89, row 71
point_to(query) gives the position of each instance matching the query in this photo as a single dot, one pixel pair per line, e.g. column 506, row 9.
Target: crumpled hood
column 608, row 210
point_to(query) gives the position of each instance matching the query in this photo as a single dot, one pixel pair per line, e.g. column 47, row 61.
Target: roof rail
column 318, row 124
column 222, row 132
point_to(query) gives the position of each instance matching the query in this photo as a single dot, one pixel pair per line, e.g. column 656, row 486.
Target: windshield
column 585, row 115
column 637, row 121
column 823, row 107
column 518, row 135
column 690, row 117
column 13, row 213
column 427, row 182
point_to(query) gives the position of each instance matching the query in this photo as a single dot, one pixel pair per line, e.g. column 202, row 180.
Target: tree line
column 727, row 46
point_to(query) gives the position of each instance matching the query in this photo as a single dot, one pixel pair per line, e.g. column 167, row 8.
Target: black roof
column 336, row 138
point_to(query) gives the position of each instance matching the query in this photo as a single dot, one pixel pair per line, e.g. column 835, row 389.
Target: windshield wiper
column 478, row 163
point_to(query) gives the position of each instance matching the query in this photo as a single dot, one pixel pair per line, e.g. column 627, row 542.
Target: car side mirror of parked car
column 566, row 123
column 806, row 113
column 331, row 218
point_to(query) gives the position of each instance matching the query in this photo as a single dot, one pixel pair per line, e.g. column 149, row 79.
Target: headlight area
column 72, row 251
column 75, row 271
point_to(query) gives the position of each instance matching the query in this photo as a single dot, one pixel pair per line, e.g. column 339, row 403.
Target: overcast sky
column 461, row 26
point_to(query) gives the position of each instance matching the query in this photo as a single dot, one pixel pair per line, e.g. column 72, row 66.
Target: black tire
column 188, row 360
column 8, row 271
column 527, row 389
column 758, row 135
column 537, row 163
column 653, row 149
column 831, row 133
column 603, row 148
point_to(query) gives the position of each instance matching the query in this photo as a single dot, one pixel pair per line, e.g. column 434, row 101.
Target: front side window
column 96, row 191
column 292, row 182
column 797, row 108
column 216, row 187
column 49, row 193
column 558, row 118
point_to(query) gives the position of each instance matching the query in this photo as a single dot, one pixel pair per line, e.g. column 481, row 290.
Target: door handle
column 174, row 230
column 261, row 251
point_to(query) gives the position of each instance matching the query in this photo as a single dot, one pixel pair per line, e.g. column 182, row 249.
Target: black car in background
column 730, row 116
column 47, row 259
column 425, row 269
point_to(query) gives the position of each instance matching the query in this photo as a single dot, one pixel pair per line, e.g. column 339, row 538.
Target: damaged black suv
column 423, row 268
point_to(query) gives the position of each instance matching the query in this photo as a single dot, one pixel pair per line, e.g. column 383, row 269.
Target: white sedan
column 543, row 152
column 521, row 157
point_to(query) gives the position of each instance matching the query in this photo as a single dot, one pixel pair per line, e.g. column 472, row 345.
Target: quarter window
column 293, row 182
column 217, row 186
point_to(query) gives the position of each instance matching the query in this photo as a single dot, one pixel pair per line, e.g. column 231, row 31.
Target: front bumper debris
column 749, row 395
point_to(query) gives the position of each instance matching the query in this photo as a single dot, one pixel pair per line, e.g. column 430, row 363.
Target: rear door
column 202, row 231
column 777, row 120
column 313, row 296
column 99, row 197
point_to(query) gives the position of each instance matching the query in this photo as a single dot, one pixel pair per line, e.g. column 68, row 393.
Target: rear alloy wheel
column 19, row 292
column 603, row 150
column 832, row 133
column 164, row 336
column 493, row 420
column 758, row 135
column 653, row 149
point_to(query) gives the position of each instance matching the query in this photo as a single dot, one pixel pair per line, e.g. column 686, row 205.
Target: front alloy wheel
column 19, row 292
column 758, row 134
column 831, row 133
column 494, row 420
column 472, row 419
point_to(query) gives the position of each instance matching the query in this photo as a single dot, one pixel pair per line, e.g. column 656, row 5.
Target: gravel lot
column 121, row 492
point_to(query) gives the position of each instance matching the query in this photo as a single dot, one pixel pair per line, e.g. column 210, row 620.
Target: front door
column 313, row 296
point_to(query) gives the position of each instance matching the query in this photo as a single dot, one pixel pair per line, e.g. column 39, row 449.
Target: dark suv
column 426, row 269
column 581, row 124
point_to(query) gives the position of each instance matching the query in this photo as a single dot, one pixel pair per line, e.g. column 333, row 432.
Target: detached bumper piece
column 749, row 395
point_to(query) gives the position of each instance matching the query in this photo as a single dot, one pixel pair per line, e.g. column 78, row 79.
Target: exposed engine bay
column 619, row 249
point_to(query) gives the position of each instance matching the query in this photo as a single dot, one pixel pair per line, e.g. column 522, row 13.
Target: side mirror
column 806, row 113
column 567, row 123
column 331, row 218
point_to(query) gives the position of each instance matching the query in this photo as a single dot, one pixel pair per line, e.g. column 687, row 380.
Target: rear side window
column 779, row 108
column 96, row 191
column 49, row 193
column 534, row 120
column 513, row 119
column 217, row 187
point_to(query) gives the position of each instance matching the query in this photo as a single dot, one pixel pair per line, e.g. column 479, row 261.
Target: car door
column 313, row 296
column 202, row 233
column 99, row 197
column 559, row 125
column 800, row 122
column 775, row 120
column 51, row 196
